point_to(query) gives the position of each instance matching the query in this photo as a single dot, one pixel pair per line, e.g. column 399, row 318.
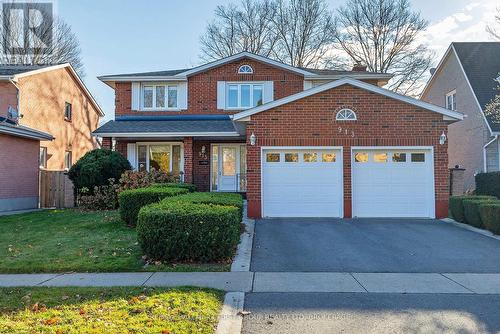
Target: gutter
column 484, row 152
column 165, row 134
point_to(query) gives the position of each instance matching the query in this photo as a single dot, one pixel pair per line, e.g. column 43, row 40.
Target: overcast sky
column 120, row 36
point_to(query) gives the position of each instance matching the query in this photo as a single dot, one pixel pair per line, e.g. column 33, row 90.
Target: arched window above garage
column 346, row 115
column 245, row 69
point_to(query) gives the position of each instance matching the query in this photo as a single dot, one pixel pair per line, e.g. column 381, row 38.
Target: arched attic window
column 245, row 69
column 346, row 115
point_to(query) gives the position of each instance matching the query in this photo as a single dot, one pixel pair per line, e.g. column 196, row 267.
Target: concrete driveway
column 371, row 245
column 370, row 313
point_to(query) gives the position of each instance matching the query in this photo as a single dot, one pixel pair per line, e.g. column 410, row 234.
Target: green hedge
column 471, row 211
column 131, row 201
column 490, row 216
column 457, row 207
column 488, row 184
column 224, row 199
column 189, row 186
column 183, row 231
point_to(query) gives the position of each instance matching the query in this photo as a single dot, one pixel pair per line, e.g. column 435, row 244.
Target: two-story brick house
column 299, row 142
column 52, row 99
column 467, row 79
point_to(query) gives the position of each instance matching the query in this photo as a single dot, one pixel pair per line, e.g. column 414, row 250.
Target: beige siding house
column 465, row 81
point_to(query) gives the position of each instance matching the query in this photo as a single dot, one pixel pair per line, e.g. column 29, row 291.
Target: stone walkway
column 275, row 282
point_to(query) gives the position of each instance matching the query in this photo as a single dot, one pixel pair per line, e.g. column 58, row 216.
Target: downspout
column 12, row 81
column 484, row 152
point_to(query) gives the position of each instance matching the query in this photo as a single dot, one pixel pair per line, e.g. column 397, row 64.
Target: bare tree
column 304, row 29
column 64, row 46
column 236, row 29
column 296, row 32
column 492, row 30
column 492, row 109
column 383, row 35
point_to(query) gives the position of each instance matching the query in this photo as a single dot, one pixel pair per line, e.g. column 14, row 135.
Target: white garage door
column 302, row 182
column 394, row 182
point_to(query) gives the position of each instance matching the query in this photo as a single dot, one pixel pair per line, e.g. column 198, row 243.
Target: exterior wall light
column 442, row 139
column 253, row 139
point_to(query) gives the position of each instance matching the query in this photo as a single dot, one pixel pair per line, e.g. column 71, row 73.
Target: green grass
column 73, row 240
column 109, row 310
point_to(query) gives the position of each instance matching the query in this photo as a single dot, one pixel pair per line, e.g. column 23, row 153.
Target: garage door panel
column 302, row 189
column 392, row 189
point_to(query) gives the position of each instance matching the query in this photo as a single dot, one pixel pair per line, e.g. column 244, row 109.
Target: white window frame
column 68, row 162
column 148, row 144
column 43, row 161
column 244, row 66
column 453, row 95
column 342, row 111
column 239, row 84
column 154, row 85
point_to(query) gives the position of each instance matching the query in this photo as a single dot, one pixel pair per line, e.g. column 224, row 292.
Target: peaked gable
column 452, row 115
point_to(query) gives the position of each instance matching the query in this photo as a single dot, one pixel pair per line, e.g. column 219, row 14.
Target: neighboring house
column 19, row 149
column 299, row 142
column 466, row 80
column 52, row 99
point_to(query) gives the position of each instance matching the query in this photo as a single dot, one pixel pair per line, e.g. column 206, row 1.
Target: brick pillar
column 188, row 160
column 457, row 184
column 106, row 143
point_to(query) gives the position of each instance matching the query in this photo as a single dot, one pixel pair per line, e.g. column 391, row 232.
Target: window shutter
column 182, row 93
column 268, row 95
column 221, row 95
column 131, row 157
column 136, row 95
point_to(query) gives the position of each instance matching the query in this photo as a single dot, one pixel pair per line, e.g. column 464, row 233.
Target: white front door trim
column 430, row 149
column 263, row 148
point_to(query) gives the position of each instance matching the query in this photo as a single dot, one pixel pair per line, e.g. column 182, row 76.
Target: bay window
column 159, row 97
column 161, row 156
column 244, row 95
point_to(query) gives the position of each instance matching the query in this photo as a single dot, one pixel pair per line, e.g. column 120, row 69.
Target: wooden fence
column 56, row 190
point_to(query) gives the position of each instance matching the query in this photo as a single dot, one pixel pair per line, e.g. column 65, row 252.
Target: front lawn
column 72, row 240
column 109, row 310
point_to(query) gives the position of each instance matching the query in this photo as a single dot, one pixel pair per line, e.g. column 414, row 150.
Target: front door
column 228, row 167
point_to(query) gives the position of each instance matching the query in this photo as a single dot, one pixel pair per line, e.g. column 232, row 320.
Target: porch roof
column 171, row 126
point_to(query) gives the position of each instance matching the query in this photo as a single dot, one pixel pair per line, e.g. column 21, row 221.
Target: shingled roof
column 481, row 64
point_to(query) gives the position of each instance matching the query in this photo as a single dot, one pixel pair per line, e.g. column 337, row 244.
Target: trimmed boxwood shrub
column 226, row 199
column 457, row 207
column 189, row 186
column 96, row 167
column 490, row 216
column 488, row 184
column 131, row 201
column 183, row 231
column 471, row 211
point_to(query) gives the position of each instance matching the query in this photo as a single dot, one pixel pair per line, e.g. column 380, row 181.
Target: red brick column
column 188, row 160
column 106, row 143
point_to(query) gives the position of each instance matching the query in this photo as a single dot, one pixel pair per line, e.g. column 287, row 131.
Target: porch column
column 188, row 160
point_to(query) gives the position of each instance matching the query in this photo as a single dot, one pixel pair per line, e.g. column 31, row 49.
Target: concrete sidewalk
column 283, row 282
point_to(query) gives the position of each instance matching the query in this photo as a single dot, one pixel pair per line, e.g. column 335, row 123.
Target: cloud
column 466, row 25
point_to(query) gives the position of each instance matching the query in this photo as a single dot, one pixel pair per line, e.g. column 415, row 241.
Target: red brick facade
column 202, row 88
column 381, row 122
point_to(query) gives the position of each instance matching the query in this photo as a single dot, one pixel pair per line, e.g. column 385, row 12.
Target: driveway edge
column 471, row 228
column 231, row 318
column 243, row 257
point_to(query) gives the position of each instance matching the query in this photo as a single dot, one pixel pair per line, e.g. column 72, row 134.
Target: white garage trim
column 340, row 149
column 428, row 149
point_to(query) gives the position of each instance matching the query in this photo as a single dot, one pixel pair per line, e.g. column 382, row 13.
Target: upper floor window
column 68, row 111
column 346, row 115
column 68, row 160
column 245, row 69
column 244, row 95
column 157, row 97
column 451, row 100
column 43, row 157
